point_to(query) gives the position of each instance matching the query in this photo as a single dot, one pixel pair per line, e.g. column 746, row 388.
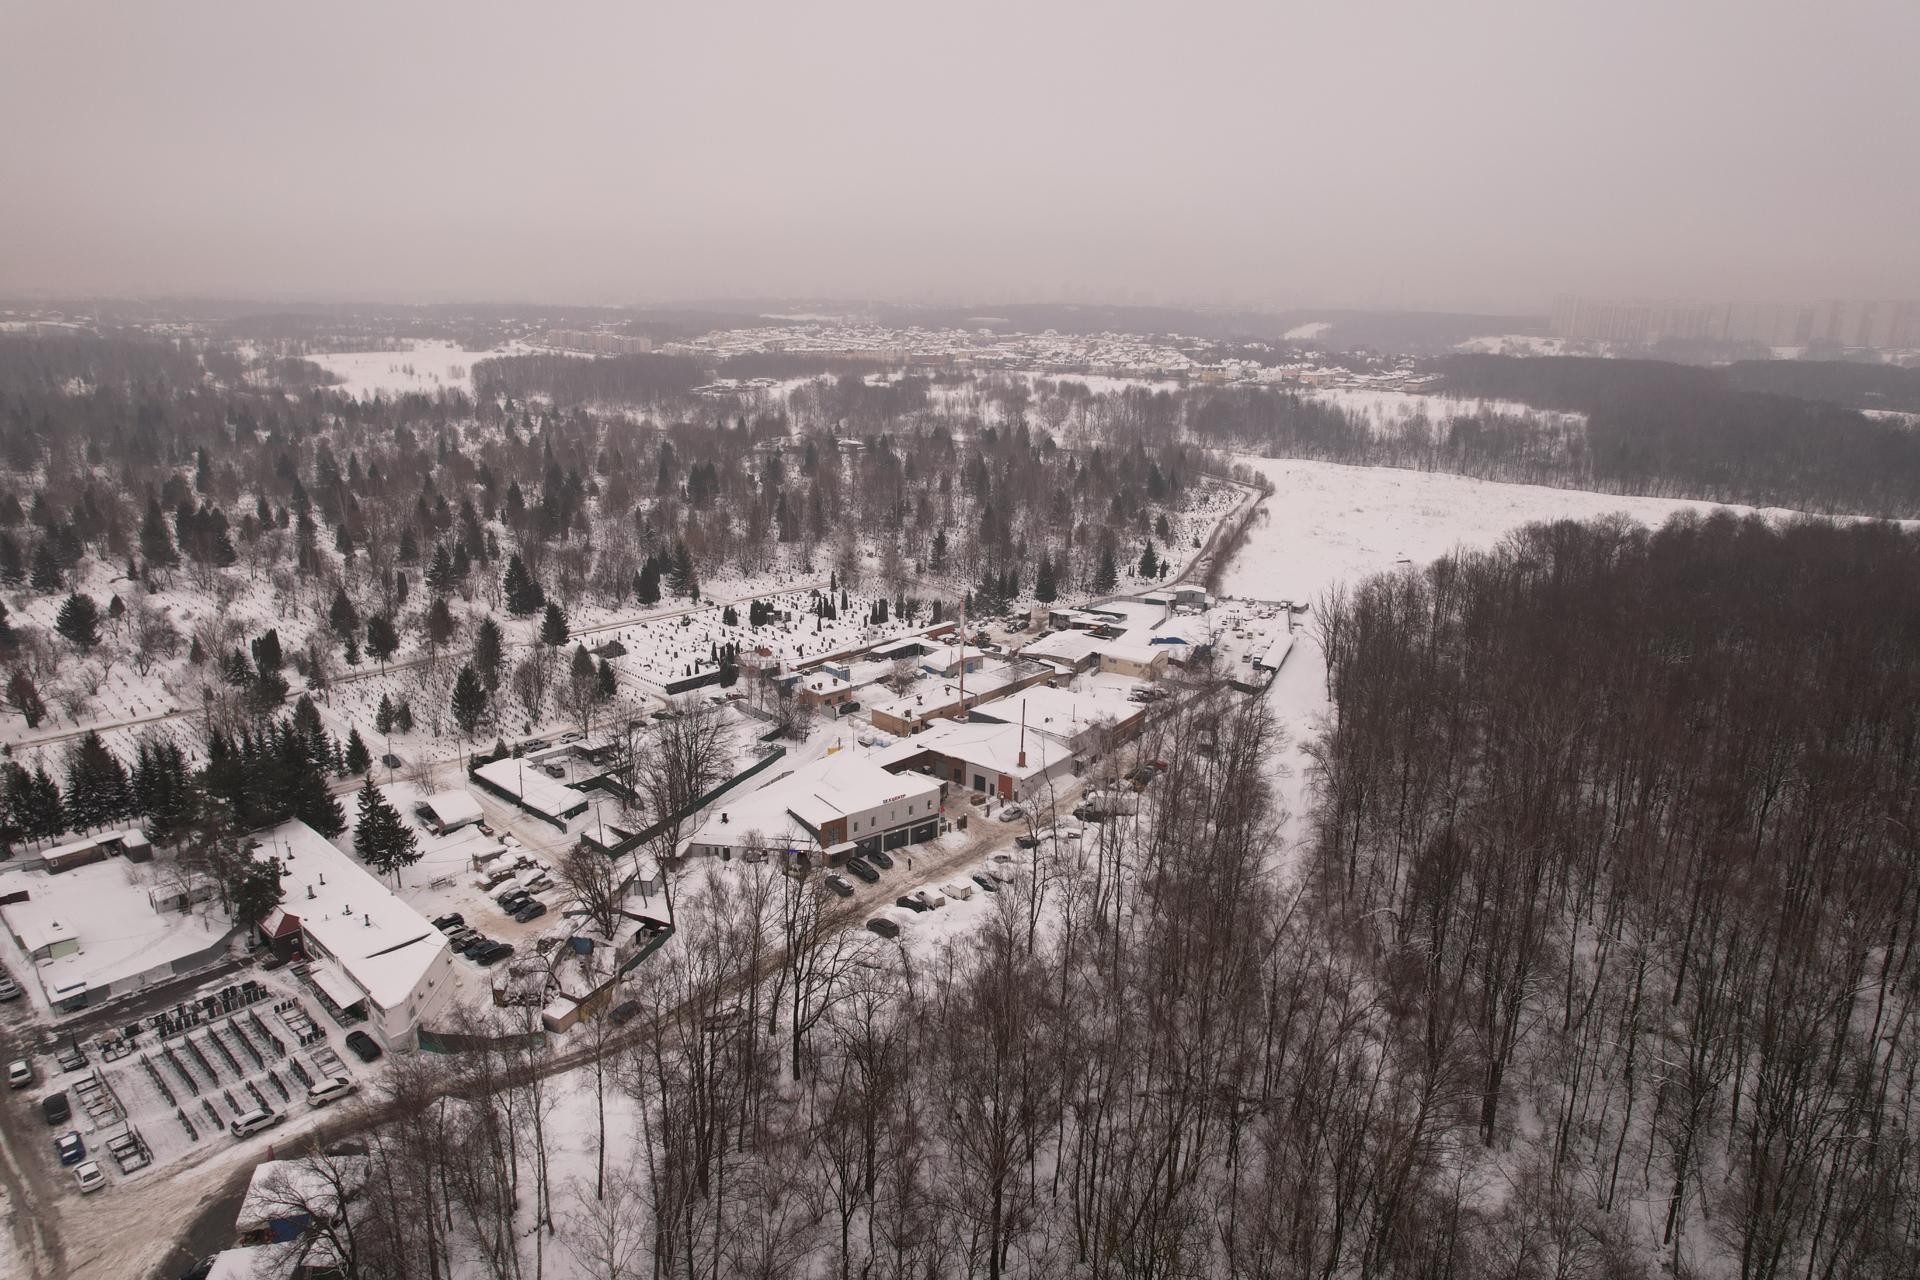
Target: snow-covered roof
column 253, row 1262
column 131, row 838
column 1066, row 646
column 994, row 746
column 109, row 907
column 793, row 805
column 844, row 784
column 1065, row 713
column 38, row 923
column 535, row 789
column 384, row 946
column 452, row 808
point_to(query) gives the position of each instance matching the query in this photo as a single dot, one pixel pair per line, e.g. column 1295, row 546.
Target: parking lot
column 168, row 1087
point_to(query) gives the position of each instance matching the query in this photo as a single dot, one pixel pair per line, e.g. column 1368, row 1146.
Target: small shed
column 449, row 811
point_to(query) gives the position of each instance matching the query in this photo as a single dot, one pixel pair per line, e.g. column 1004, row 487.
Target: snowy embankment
column 1328, row 524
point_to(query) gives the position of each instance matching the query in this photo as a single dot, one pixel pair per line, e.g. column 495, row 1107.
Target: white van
column 330, row 1091
column 252, row 1122
column 19, row 1073
column 959, row 891
column 932, row 897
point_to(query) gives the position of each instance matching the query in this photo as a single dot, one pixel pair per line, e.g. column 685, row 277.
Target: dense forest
column 1727, row 434
column 1621, row 827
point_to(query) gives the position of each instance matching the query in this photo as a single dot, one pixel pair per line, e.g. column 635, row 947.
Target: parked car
column 485, row 830
column 9, row 989
column 364, row 1046
column 861, row 869
column 56, row 1108
column 69, row 1147
column 512, row 899
column 959, row 889
column 840, row 886
column 19, row 1074
column 530, row 910
column 89, row 1177
column 986, row 882
column 494, row 953
column 625, row 1013
column 1027, row 842
column 449, row 922
column 884, row 927
column 880, row 859
column 1012, row 813
column 930, row 897
column 328, row 1091
column 249, row 1123
column 911, row 903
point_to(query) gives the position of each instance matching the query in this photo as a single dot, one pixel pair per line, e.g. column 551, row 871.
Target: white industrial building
column 370, row 951
column 843, row 799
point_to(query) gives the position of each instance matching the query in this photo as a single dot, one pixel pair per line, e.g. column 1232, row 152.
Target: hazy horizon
column 1474, row 157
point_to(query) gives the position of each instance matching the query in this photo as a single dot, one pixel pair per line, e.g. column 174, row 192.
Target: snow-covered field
column 1386, row 412
column 428, row 367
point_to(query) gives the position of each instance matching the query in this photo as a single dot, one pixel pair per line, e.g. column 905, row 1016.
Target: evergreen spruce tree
column 1105, row 576
column 98, row 788
column 469, row 700
column 46, row 577
column 358, row 759
column 553, row 627
column 1149, row 563
column 156, row 540
column 403, row 717
column 24, row 698
column 681, row 577
column 609, row 684
column 313, row 734
column 440, row 571
column 1045, row 589
column 381, row 838
column 49, row 806
column 310, row 798
column 342, row 616
column 489, row 653
column 646, row 586
column 79, row 621
column 383, row 716
column 382, row 638
column 254, row 889
column 266, row 652
column 524, row 596
column 13, row 565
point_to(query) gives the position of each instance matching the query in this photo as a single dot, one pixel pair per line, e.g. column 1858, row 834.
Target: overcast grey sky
column 1455, row 153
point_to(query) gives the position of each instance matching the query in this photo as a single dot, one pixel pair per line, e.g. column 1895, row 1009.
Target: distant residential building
column 1880, row 325
column 597, row 343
